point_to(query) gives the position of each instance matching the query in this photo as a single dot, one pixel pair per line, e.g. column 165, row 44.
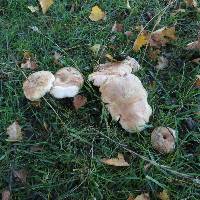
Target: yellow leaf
column 119, row 162
column 14, row 132
column 144, row 196
column 45, row 4
column 96, row 14
column 164, row 195
column 141, row 40
column 170, row 33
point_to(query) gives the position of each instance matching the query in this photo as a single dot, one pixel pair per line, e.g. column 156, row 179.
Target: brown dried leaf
column 36, row 148
column 196, row 60
column 191, row 3
column 29, row 64
column 6, row 195
column 143, row 196
column 119, row 161
column 45, row 4
column 20, row 175
column 153, row 54
column 14, row 132
column 197, row 83
column 117, row 27
column 193, row 45
column 97, row 14
column 130, row 197
column 79, row 101
column 163, row 195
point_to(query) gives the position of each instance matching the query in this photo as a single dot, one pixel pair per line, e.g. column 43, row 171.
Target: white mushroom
column 163, row 139
column 67, row 83
column 38, row 84
column 124, row 94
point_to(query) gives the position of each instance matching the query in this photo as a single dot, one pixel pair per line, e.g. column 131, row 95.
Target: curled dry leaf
column 79, row 101
column 163, row 139
column 68, row 82
column 45, row 4
column 28, row 61
column 156, row 39
column 193, row 45
column 5, row 195
column 38, row 84
column 14, row 132
column 33, row 9
column 97, row 14
column 123, row 93
column 197, row 83
column 154, row 54
column 162, row 63
column 163, row 195
column 118, row 162
column 191, row 3
column 143, row 196
column 20, row 175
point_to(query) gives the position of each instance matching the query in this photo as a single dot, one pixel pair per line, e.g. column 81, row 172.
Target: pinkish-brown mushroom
column 163, row 139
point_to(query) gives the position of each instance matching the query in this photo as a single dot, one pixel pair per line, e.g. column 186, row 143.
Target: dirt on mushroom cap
column 38, row 84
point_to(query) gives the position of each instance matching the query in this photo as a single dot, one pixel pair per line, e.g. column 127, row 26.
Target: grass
column 69, row 165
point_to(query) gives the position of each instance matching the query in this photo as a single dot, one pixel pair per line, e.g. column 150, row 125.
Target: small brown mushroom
column 67, row 83
column 163, row 139
column 38, row 84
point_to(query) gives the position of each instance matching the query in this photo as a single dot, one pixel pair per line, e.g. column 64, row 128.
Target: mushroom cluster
column 65, row 83
column 123, row 93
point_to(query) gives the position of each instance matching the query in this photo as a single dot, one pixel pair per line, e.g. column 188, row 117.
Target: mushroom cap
column 68, row 82
column 163, row 139
column 126, row 100
column 107, row 70
column 38, row 84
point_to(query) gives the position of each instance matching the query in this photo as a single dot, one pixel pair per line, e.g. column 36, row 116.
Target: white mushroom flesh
column 67, row 83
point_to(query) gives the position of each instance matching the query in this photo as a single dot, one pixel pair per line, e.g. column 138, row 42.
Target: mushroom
column 123, row 94
column 163, row 139
column 68, row 82
column 38, row 84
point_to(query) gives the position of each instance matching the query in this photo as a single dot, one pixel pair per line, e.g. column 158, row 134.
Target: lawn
column 73, row 142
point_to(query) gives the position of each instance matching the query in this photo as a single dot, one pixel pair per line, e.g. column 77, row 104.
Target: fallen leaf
column 162, row 36
column 193, row 45
column 162, row 63
column 45, row 4
column 119, row 161
column 96, row 14
column 117, row 27
column 141, row 40
column 197, row 83
column 191, row 3
column 36, row 148
column 196, row 60
column 130, row 197
column 33, row 9
column 154, row 54
column 128, row 33
column 20, row 175
column 6, row 195
column 143, row 196
column 164, row 195
column 29, row 64
column 14, row 132
column 95, row 48
column 79, row 101
column 110, row 58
